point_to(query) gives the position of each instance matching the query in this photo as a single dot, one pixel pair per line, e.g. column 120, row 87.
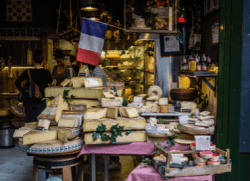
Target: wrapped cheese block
column 87, row 93
column 95, row 113
column 134, row 136
column 52, row 147
column 37, row 136
column 191, row 129
column 129, row 124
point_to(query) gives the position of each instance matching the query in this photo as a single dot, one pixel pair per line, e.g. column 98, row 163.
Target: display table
column 149, row 174
column 136, row 148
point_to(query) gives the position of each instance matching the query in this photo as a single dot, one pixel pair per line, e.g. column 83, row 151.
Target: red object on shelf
column 182, row 20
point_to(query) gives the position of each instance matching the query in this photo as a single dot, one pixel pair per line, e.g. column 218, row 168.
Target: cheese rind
column 70, row 132
column 134, row 136
column 37, row 136
column 129, row 124
column 112, row 112
column 116, row 102
column 68, row 122
column 87, row 93
column 78, row 81
column 62, row 136
column 95, row 113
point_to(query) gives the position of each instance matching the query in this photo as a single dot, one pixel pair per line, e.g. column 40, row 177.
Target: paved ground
column 17, row 166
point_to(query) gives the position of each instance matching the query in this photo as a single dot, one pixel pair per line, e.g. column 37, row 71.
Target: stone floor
column 17, row 166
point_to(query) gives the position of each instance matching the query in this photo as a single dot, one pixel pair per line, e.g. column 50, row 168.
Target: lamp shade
column 89, row 5
column 182, row 16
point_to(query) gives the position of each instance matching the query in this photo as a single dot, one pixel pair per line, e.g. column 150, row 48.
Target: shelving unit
column 140, row 30
column 202, row 75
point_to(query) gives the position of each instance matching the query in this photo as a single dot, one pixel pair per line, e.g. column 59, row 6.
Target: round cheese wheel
column 154, row 91
column 191, row 129
column 184, row 139
column 199, row 159
column 212, row 163
column 215, row 157
column 160, row 158
column 52, row 147
column 184, row 82
column 206, row 154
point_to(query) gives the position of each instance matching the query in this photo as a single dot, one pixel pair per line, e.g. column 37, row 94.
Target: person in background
column 60, row 70
column 42, row 78
column 74, row 64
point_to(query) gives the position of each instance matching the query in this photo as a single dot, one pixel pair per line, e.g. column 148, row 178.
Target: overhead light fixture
column 89, row 5
column 95, row 19
column 182, row 16
column 89, row 8
column 92, row 15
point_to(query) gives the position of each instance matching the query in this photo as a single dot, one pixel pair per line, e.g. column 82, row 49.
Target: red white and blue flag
column 91, row 41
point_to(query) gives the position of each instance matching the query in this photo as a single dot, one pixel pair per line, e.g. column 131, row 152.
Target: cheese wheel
column 154, row 91
column 184, row 82
column 212, row 163
column 206, row 154
column 191, row 129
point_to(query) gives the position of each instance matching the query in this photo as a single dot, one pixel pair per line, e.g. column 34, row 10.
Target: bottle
column 204, row 58
column 197, row 58
column 198, row 66
column 204, row 66
column 29, row 56
column 185, row 59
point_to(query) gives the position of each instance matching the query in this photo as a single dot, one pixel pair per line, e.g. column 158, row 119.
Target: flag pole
column 104, row 23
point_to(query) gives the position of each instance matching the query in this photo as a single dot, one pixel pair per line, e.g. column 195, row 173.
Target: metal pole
column 93, row 168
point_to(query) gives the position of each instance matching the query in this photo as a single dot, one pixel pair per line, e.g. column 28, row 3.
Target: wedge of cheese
column 37, row 136
column 134, row 136
column 68, row 122
column 129, row 124
column 116, row 102
column 131, row 112
column 95, row 113
column 108, row 95
column 70, row 132
column 86, row 93
column 112, row 112
column 31, row 125
column 59, row 108
column 21, row 131
column 43, row 124
column 65, row 82
column 62, row 136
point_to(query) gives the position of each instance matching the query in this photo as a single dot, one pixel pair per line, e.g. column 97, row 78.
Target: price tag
column 203, row 142
column 176, row 158
column 137, row 99
column 162, row 130
column 183, row 120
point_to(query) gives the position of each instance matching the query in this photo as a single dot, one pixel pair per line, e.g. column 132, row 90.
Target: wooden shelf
column 199, row 73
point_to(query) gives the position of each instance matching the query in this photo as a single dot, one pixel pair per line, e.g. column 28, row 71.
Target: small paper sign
column 176, row 158
column 138, row 99
column 183, row 120
column 203, row 142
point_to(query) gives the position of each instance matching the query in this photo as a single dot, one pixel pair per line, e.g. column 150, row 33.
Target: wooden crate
column 195, row 170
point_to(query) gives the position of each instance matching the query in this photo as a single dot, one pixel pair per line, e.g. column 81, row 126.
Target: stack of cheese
column 199, row 123
column 86, row 90
column 160, row 132
column 113, row 54
column 206, row 158
column 110, row 114
column 42, row 138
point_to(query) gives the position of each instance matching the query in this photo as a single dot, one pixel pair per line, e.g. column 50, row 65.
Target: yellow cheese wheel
column 184, row 82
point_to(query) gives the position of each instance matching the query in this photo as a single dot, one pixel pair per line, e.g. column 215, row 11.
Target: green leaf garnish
column 95, row 135
column 127, row 133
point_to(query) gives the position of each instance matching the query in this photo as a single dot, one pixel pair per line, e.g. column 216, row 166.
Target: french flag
column 91, row 41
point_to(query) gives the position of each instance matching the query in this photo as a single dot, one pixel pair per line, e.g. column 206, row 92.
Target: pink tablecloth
column 136, row 148
column 150, row 174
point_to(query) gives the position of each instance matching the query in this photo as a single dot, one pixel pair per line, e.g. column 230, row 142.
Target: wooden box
column 194, row 170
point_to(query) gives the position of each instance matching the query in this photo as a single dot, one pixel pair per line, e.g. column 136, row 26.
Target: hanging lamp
column 89, row 5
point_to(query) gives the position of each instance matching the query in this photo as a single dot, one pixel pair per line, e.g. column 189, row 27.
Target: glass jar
column 199, row 67
column 204, row 66
column 192, row 65
column 209, row 59
column 185, row 59
column 197, row 58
